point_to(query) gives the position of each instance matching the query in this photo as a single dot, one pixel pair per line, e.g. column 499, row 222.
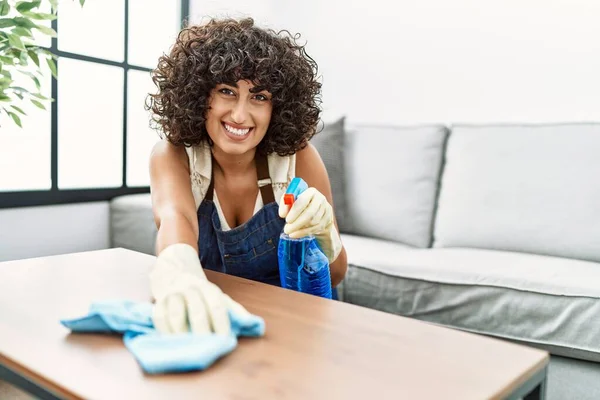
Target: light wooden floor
column 10, row 392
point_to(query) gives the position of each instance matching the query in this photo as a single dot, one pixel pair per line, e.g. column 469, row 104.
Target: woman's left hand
column 311, row 214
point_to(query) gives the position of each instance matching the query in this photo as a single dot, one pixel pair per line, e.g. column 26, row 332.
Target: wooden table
column 313, row 348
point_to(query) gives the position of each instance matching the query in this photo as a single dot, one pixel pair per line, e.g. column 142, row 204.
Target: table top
column 313, row 348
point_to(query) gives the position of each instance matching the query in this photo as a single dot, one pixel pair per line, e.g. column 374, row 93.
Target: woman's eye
column 261, row 97
column 226, row 91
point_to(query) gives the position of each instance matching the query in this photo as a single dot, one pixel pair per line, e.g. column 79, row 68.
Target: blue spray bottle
column 302, row 265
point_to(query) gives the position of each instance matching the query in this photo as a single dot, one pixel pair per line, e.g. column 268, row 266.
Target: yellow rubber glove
column 185, row 299
column 311, row 214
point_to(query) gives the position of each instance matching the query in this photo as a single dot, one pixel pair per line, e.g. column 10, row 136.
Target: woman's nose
column 239, row 113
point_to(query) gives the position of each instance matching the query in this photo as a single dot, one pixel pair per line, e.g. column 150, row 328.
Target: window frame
column 54, row 195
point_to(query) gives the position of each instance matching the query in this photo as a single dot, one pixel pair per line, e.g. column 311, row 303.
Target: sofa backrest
column 132, row 223
column 527, row 188
column 392, row 178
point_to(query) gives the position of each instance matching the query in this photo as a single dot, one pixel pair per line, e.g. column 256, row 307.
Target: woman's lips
column 236, row 136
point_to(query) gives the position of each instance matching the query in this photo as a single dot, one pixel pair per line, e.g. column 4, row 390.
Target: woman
column 238, row 106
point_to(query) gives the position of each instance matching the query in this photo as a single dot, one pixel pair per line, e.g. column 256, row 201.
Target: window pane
column 90, row 125
column 153, row 27
column 96, row 29
column 140, row 137
column 25, row 152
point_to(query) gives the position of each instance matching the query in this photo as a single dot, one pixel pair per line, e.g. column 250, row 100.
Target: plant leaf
column 16, row 55
column 29, row 74
column 24, row 6
column 15, row 118
column 18, row 109
column 48, row 31
column 19, row 89
column 13, row 51
column 6, row 22
column 82, row 2
column 34, row 57
column 4, row 97
column 15, row 41
column 23, row 32
column 52, row 66
column 24, row 22
column 54, row 3
column 38, row 104
column 24, row 58
column 43, row 51
column 41, row 97
column 33, row 77
column 4, row 8
column 41, row 16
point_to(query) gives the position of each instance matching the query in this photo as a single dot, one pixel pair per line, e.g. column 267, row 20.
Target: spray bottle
column 302, row 265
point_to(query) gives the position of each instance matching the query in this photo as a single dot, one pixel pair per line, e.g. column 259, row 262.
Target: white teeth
column 238, row 132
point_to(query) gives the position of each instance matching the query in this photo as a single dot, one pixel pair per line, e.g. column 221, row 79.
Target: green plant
column 20, row 55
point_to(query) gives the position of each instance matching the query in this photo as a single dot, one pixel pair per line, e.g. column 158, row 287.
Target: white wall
column 448, row 61
column 42, row 231
column 396, row 62
column 260, row 10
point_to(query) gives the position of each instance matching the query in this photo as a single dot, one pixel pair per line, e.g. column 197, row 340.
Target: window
column 94, row 141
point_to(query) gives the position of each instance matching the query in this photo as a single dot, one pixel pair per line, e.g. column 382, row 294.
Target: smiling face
column 238, row 116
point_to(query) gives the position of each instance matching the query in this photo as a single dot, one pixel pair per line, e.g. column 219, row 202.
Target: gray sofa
column 493, row 229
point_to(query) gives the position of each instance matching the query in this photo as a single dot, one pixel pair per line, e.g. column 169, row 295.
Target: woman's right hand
column 185, row 299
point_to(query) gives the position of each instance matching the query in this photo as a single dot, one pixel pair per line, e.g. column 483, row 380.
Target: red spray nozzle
column 288, row 199
column 295, row 188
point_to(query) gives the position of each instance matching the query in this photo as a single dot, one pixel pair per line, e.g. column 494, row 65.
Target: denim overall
column 249, row 250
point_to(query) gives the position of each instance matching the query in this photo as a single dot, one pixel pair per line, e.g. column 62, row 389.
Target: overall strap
column 262, row 172
column 211, row 185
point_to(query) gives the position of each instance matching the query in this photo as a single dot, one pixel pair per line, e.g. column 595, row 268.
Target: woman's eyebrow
column 257, row 89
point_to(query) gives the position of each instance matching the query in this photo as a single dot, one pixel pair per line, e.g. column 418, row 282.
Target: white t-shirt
column 281, row 170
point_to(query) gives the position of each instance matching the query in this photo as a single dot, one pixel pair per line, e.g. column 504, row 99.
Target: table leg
column 24, row 384
column 533, row 389
column 538, row 393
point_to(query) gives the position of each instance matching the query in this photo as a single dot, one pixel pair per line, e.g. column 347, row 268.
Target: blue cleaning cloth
column 163, row 353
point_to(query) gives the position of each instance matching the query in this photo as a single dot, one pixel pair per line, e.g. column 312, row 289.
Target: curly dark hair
column 225, row 51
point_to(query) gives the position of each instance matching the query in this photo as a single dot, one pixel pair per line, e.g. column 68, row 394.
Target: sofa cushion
column 392, row 181
column 360, row 250
column 572, row 379
column 548, row 302
column 132, row 223
column 330, row 143
column 530, row 189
